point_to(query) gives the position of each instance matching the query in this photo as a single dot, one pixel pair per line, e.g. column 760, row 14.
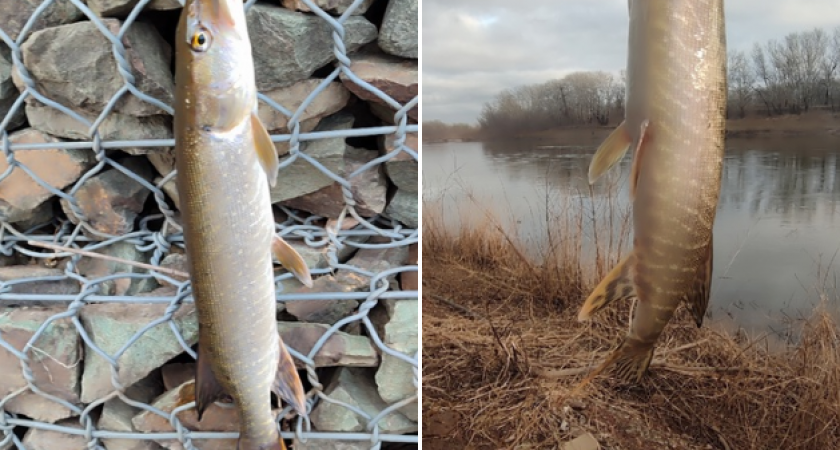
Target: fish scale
column 225, row 162
column 676, row 95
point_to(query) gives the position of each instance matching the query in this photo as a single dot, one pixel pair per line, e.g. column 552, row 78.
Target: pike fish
column 674, row 121
column 226, row 162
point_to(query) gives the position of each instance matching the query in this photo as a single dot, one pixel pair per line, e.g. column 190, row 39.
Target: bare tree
column 740, row 80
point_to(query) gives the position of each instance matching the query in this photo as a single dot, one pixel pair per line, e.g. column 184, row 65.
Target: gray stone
column 330, row 444
column 409, row 280
column 17, row 12
column 163, row 160
column 9, row 94
column 331, row 311
column 289, row 46
column 55, row 360
column 176, row 374
column 340, row 349
column 395, row 77
column 92, row 268
column 75, row 66
column 394, row 378
column 403, row 208
column 113, row 8
column 111, row 325
column 317, row 257
column 329, row 101
column 41, row 214
column 170, row 188
column 20, row 194
column 373, row 260
column 40, row 439
column 112, row 200
column 115, row 127
column 117, row 415
column 583, row 442
column 398, row 35
column 323, row 311
column 402, row 168
column 175, row 261
column 354, row 386
column 215, row 418
column 334, row 7
column 57, row 283
column 301, row 177
column 369, row 189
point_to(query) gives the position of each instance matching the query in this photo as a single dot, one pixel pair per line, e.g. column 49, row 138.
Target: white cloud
column 474, row 49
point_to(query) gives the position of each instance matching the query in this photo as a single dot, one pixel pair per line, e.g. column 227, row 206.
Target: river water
column 776, row 236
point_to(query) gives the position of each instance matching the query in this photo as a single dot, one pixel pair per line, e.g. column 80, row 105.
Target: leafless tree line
column 580, row 98
column 790, row 76
column 799, row 73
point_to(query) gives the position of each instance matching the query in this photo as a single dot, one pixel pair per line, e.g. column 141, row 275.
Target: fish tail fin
column 631, row 360
column 291, row 260
column 244, row 444
column 699, row 301
column 207, row 388
column 287, row 384
column 610, row 152
column 617, row 285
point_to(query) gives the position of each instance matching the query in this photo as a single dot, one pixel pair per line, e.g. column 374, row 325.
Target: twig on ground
column 59, row 248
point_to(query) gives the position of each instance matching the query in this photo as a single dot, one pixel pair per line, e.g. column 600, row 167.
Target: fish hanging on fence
column 226, row 162
column 676, row 95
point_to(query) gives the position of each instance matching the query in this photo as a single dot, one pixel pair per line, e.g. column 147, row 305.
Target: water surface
column 777, row 231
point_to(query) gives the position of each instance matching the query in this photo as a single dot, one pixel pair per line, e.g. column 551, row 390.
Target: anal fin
column 207, row 387
column 609, row 152
column 287, row 385
column 291, row 260
column 699, row 300
column 617, row 285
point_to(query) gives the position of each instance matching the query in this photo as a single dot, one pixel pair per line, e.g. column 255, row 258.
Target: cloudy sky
column 474, row 49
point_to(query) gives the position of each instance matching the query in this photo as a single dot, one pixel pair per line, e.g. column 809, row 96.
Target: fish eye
column 200, row 40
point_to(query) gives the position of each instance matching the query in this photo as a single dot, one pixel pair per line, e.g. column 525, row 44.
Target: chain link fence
column 44, row 310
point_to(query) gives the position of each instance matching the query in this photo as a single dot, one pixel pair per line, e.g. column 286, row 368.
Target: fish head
column 214, row 67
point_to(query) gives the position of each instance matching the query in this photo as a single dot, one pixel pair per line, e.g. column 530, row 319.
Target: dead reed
column 503, row 349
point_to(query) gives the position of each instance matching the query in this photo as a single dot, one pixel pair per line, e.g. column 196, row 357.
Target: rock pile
column 101, row 338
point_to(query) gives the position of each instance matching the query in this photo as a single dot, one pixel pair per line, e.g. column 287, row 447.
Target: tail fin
column 244, row 444
column 631, row 360
column 617, row 285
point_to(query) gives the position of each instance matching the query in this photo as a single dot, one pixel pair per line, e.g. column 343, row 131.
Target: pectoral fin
column 291, row 260
column 610, row 152
column 207, row 388
column 699, row 301
column 617, row 285
column 287, row 383
column 266, row 152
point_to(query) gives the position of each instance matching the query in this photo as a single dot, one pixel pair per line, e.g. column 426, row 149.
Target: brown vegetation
column 503, row 349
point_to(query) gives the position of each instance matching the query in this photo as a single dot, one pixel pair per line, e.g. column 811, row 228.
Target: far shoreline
column 811, row 125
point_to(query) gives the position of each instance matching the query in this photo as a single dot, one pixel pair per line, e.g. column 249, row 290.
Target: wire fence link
column 46, row 314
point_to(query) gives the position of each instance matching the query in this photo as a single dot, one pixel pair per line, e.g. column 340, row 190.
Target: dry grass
column 502, row 351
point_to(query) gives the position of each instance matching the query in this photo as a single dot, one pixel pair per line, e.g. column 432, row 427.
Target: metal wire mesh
column 159, row 233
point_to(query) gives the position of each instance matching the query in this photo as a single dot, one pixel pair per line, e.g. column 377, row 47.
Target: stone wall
column 102, row 346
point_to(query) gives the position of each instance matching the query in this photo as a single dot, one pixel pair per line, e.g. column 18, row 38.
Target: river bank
column 813, row 124
column 503, row 350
